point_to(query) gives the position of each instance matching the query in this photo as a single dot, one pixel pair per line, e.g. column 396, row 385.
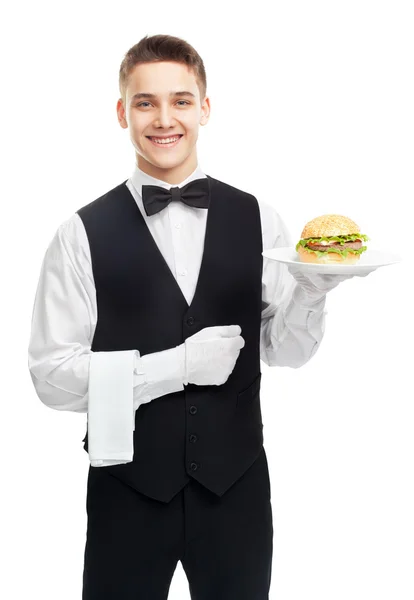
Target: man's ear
column 204, row 117
column 121, row 113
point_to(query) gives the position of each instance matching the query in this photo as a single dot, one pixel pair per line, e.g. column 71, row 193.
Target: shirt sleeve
column 63, row 323
column 290, row 330
column 61, row 333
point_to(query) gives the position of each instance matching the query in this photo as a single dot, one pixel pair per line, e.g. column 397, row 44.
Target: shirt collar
column 139, row 178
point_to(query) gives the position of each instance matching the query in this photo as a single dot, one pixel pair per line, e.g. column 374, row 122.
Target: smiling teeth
column 165, row 141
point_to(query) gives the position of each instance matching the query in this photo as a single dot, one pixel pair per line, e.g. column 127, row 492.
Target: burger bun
column 328, row 258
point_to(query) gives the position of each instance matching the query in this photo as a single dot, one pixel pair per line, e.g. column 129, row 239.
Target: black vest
column 211, row 433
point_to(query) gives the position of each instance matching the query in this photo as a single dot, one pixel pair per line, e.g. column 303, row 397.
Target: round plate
column 370, row 260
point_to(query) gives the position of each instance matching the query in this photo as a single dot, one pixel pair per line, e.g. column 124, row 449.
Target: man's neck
column 173, row 176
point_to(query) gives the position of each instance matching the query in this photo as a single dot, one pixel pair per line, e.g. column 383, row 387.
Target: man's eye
column 141, row 103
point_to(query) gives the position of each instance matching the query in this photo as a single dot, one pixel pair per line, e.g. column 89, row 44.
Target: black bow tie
column 196, row 193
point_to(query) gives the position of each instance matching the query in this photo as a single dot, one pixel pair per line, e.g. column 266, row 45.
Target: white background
column 312, row 111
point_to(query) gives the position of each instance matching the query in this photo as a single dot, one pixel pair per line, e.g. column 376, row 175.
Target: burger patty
column 356, row 245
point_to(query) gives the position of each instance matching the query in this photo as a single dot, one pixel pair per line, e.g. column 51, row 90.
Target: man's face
column 168, row 106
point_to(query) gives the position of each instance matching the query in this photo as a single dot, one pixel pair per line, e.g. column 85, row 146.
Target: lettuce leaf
column 341, row 239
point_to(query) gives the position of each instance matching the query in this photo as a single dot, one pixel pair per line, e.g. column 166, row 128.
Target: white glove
column 211, row 354
column 315, row 285
column 205, row 358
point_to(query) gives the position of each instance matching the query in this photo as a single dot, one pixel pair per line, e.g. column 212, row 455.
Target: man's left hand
column 317, row 285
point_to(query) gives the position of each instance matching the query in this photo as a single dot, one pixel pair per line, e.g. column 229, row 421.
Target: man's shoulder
column 104, row 201
column 266, row 209
column 231, row 189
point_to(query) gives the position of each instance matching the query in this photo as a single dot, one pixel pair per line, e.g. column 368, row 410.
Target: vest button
column 193, row 438
column 190, row 321
column 194, row 466
column 193, row 410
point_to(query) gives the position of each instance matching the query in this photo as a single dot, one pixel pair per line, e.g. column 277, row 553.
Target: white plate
column 370, row 260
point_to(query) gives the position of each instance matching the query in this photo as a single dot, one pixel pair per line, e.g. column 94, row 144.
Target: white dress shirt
column 65, row 371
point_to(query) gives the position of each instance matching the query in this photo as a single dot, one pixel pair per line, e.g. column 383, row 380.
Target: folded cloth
column 111, row 408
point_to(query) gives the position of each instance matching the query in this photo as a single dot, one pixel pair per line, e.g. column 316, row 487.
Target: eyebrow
column 140, row 95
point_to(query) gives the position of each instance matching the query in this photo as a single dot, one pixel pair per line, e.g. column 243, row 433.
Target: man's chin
column 150, row 162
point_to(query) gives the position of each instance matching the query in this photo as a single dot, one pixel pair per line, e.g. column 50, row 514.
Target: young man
column 158, row 289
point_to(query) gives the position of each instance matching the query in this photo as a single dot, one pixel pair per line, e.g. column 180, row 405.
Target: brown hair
column 159, row 48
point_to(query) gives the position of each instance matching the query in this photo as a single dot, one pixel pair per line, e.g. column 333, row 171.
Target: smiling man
column 153, row 311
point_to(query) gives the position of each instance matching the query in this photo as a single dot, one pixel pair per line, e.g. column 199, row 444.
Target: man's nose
column 164, row 117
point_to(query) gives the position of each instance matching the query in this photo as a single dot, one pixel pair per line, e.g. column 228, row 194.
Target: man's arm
column 68, row 375
column 63, row 322
column 292, row 326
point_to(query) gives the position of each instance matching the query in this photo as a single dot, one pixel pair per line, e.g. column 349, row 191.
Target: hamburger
column 331, row 239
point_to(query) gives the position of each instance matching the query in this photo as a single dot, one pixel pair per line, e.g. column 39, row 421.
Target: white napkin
column 111, row 414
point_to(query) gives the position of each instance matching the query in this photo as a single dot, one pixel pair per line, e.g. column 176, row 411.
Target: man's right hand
column 211, row 354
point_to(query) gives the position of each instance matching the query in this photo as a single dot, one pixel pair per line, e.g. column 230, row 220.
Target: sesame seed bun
column 327, row 225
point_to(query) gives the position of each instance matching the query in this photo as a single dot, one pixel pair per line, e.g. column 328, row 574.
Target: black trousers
column 133, row 542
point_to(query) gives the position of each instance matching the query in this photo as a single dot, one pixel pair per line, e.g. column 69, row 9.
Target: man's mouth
column 165, row 142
